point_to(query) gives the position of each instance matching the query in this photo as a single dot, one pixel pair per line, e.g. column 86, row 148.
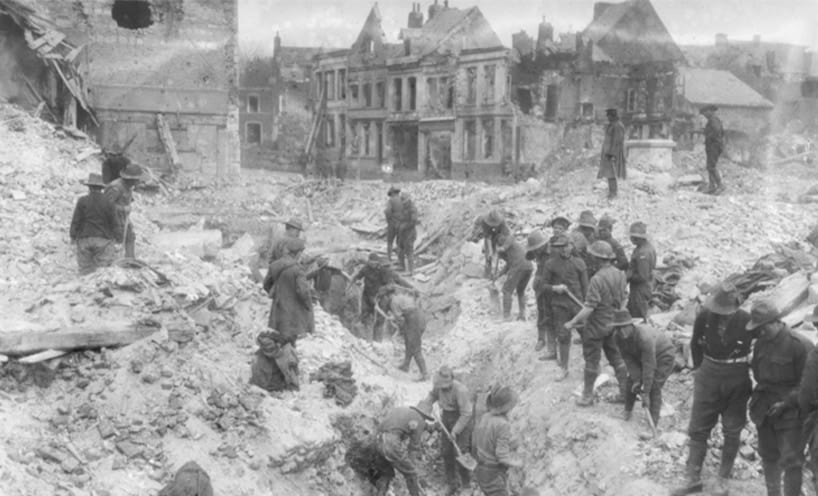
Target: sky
column 336, row 23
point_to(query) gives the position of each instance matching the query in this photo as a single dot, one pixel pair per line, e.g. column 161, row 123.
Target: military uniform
column 808, row 405
column 541, row 256
column 713, row 148
column 95, row 229
column 456, row 414
column 519, row 271
column 621, row 260
column 376, row 275
column 407, row 233
column 112, row 166
column 399, row 436
column 121, row 196
column 412, row 325
column 491, row 235
column 291, row 312
column 640, row 278
column 572, row 273
column 394, row 214
column 492, row 445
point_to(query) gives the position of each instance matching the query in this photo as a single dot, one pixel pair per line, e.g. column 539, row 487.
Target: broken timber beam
column 167, row 140
column 42, row 356
column 99, row 336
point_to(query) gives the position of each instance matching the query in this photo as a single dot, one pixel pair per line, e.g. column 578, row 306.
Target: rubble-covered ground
column 120, row 422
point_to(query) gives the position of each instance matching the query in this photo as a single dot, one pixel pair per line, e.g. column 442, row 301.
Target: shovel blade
column 467, row 461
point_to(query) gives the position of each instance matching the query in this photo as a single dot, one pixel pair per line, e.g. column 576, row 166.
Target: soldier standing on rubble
column 456, row 415
column 808, row 403
column 603, row 230
column 564, row 273
column 538, row 250
column 582, row 237
column 292, row 230
column 490, row 227
column 607, row 292
column 649, row 356
column 779, row 356
column 492, row 443
column 612, row 161
column 394, row 214
column 399, row 436
column 407, row 232
column 640, row 272
column 94, row 228
column 376, row 274
column 291, row 312
column 713, row 147
column 411, row 322
column 720, row 348
column 120, row 194
column 519, row 273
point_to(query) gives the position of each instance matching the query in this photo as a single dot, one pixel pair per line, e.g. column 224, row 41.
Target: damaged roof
column 720, row 88
column 631, row 32
column 453, row 30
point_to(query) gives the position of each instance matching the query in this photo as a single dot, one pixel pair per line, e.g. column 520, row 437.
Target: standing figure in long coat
column 612, row 162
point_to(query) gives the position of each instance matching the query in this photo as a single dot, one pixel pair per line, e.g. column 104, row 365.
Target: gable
column 369, row 47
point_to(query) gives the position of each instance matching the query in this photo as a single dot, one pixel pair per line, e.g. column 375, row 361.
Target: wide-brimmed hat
column 587, row 219
column 723, row 300
column 295, row 224
column 814, row 317
column 611, row 110
column 638, row 230
column 601, row 249
column 560, row 220
column 444, row 378
column 94, row 181
column 559, row 240
column 606, row 221
column 763, row 312
column 393, row 190
column 706, row 108
column 425, row 409
column 622, row 318
column 501, row 399
column 131, row 171
column 494, row 218
column 536, row 240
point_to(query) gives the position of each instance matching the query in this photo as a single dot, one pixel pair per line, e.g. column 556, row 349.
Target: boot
column 728, row 456
column 721, row 488
column 772, row 478
column 564, row 355
column 422, row 366
column 521, row 306
column 793, row 477
column 506, row 306
column 540, row 345
column 719, row 187
column 588, row 390
column 693, row 469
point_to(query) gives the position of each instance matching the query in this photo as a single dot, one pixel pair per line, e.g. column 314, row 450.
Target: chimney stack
column 415, row 17
column 434, row 9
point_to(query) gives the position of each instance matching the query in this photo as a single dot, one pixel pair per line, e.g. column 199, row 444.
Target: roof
column 453, row 29
column 256, row 72
column 631, row 32
column 720, row 88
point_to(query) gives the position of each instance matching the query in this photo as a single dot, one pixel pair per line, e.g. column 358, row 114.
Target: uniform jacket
column 95, row 217
column 490, row 234
column 112, row 166
column 377, row 275
column 607, row 292
column 514, row 258
column 279, row 248
column 570, row 272
column 291, row 312
column 714, row 135
column 612, row 158
column 581, row 244
column 121, row 196
column 642, row 350
column 539, row 276
column 455, row 399
column 491, row 441
column 721, row 337
column 777, row 367
column 621, row 261
column 394, row 210
column 643, row 262
column 406, row 424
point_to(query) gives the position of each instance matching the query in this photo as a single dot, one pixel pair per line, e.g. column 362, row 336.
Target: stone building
column 436, row 104
column 257, row 111
column 134, row 60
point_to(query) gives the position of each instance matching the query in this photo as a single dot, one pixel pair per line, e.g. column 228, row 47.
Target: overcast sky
column 336, row 23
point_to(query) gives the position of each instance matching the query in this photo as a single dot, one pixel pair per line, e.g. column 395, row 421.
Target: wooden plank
column 167, row 140
column 99, row 336
column 42, row 356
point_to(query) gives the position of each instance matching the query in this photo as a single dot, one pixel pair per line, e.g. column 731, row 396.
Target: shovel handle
column 651, row 422
column 574, row 298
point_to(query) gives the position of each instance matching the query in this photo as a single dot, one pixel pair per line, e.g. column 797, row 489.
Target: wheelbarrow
column 464, row 459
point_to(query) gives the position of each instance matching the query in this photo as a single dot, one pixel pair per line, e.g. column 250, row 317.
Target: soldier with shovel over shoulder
column 456, row 418
column 493, row 444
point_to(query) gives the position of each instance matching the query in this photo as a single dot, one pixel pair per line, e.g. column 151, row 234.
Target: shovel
column 652, row 423
column 464, row 459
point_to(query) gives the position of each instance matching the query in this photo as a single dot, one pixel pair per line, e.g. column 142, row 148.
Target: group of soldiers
column 101, row 219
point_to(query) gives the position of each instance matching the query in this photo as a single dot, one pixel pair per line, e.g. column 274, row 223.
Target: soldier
column 376, row 274
column 582, row 237
column 778, row 362
column 292, row 230
column 456, row 415
column 411, row 323
column 407, row 232
column 94, row 228
column 399, row 436
column 113, row 163
column 492, row 443
column 519, row 273
column 603, row 230
column 649, row 356
column 607, row 292
column 612, row 160
column 490, row 227
column 393, row 213
column 120, row 193
column 713, row 147
column 538, row 250
column 640, row 273
column 330, row 283
column 291, row 312
column 808, row 403
column 564, row 273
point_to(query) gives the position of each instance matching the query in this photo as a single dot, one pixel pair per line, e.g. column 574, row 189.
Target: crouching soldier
column 399, row 436
column 519, row 272
column 404, row 311
column 649, row 356
column 457, row 409
column 492, row 443
column 275, row 367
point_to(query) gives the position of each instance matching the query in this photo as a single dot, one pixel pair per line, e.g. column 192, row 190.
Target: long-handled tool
column 464, row 459
column 574, row 298
column 651, row 422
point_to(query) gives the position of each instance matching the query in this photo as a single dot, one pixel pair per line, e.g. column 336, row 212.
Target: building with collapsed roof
column 436, row 104
column 157, row 76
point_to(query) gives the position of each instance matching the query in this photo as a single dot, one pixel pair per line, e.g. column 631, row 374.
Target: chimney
column 600, row 8
column 415, row 17
column 445, row 4
column 434, row 9
column 277, row 46
column 545, row 35
column 721, row 40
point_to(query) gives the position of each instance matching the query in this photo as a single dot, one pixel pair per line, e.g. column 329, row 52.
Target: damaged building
column 625, row 59
column 437, row 104
column 159, row 77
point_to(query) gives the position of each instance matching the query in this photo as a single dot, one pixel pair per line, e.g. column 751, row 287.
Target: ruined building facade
column 437, row 104
column 142, row 63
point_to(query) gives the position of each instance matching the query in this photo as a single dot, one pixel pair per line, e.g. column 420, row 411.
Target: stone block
column 199, row 243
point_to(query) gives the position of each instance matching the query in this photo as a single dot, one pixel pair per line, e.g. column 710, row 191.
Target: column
column 422, row 137
column 404, row 93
